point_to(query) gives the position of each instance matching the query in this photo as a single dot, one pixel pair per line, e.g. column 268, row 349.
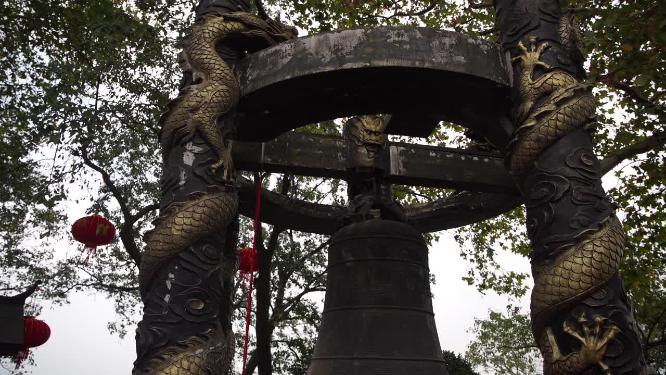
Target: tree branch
column 316, row 250
column 264, row 325
column 251, row 363
column 261, row 9
column 126, row 235
column 294, row 300
column 654, row 344
column 653, row 142
column 492, row 30
column 433, row 5
column 421, row 12
column 631, row 92
column 143, row 212
column 657, row 322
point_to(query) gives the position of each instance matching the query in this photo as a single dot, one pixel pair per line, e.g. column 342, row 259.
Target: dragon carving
column 215, row 90
column 551, row 106
column 213, row 94
column 593, row 339
column 367, row 131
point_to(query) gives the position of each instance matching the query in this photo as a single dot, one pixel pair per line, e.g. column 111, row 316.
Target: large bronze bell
column 378, row 316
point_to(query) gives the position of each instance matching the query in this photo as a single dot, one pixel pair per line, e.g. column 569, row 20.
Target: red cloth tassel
column 250, row 256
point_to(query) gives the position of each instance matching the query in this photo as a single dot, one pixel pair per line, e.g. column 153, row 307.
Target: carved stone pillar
column 581, row 318
column 186, row 272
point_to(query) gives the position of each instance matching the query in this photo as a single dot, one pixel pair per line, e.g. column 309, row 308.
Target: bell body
column 378, row 316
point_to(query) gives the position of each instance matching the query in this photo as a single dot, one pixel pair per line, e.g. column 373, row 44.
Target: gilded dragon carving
column 214, row 92
column 367, row 131
column 549, row 108
column 569, row 105
column 184, row 223
column 578, row 270
column 196, row 355
column 593, row 338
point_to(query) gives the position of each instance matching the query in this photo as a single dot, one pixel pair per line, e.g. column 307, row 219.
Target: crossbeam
column 406, row 164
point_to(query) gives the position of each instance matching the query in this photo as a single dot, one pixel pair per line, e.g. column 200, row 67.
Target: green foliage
column 479, row 243
column 456, row 364
column 81, row 78
column 318, row 16
column 504, row 344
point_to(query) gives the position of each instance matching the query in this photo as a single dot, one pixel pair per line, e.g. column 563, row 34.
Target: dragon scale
column 578, row 270
column 550, row 107
column 568, row 105
column 185, row 239
column 197, row 355
column 183, row 224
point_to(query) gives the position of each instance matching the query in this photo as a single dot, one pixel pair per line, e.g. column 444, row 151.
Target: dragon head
column 367, row 130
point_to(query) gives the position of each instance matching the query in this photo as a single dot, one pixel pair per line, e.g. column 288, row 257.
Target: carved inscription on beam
column 408, row 164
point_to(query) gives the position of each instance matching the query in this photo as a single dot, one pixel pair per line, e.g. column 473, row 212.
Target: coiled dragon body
column 214, row 92
column 551, row 107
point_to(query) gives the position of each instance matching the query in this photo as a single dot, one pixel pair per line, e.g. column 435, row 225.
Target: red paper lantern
column 36, row 332
column 248, row 260
column 93, row 231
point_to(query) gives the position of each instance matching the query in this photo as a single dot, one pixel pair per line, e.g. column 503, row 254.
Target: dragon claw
column 522, row 47
column 217, row 165
column 594, row 339
column 531, row 57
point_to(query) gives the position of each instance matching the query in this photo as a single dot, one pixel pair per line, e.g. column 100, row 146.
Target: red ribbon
column 250, row 275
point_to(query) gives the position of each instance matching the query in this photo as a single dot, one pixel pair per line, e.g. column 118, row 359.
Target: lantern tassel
column 20, row 357
column 87, row 251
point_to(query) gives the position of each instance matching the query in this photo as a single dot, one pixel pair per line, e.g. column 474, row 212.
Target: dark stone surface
column 422, row 165
column 11, row 327
column 405, row 164
column 418, row 75
column 324, row 156
column 565, row 202
column 378, row 316
column 460, row 209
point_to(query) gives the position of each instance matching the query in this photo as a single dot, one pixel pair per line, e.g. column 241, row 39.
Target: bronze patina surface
column 186, row 272
column 406, row 72
column 581, row 317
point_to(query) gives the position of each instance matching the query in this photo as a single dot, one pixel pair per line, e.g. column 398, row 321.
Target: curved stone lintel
column 460, row 209
column 418, row 75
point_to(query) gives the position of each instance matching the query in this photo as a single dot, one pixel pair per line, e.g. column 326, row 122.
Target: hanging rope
column 252, row 259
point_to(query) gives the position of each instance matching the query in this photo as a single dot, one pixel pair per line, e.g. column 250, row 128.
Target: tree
column 83, row 84
column 456, row 364
column 504, row 344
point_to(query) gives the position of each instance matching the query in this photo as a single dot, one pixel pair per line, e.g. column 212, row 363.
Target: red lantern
column 36, row 332
column 93, row 231
column 248, row 260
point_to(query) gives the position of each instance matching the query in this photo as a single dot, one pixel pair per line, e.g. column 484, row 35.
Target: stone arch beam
column 461, row 208
column 418, row 75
